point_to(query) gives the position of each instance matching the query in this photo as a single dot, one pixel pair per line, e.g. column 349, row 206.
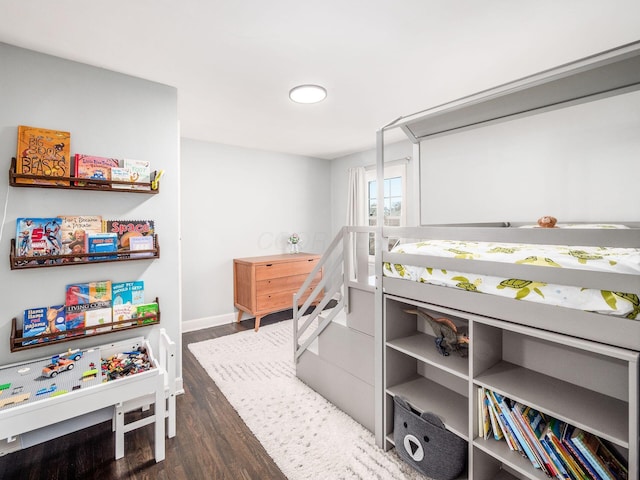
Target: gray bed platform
column 612, row 330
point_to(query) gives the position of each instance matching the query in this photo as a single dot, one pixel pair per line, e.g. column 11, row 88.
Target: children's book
column 81, row 293
column 598, row 455
column 43, row 321
column 93, row 167
column 102, row 243
column 509, row 436
column 81, row 297
column 567, row 431
column 553, row 436
column 39, row 236
column 140, row 172
column 146, row 313
column 126, row 229
column 121, row 312
column 43, row 152
column 94, row 317
column 141, row 243
column 75, row 229
column 131, row 293
column 122, row 174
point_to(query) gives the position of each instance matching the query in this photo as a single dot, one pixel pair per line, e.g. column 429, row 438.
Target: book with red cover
column 81, row 297
column 126, row 229
column 91, row 166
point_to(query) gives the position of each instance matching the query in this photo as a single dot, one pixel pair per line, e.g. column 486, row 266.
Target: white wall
column 578, row 164
column 108, row 114
column 238, row 202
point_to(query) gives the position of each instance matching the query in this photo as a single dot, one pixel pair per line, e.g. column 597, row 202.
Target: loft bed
column 583, row 281
column 542, row 305
column 608, row 74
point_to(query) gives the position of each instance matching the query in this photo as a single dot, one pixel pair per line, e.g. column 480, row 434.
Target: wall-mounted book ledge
column 63, row 260
column 17, row 339
column 71, row 183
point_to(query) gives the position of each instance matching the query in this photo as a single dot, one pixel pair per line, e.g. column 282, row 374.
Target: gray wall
column 108, row 114
column 240, row 202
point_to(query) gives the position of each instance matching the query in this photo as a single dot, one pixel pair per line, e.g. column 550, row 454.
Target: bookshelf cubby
column 538, row 368
column 77, row 334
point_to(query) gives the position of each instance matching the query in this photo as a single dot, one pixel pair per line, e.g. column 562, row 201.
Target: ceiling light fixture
column 308, row 94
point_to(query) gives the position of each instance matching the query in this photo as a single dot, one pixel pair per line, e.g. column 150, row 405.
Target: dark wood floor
column 212, row 442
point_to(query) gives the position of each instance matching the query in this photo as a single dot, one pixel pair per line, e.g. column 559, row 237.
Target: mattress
column 600, row 259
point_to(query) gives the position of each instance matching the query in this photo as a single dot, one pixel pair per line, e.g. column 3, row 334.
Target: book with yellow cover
column 43, row 152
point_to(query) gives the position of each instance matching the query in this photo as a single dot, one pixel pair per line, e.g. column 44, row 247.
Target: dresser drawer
column 285, row 269
column 264, row 287
column 281, row 300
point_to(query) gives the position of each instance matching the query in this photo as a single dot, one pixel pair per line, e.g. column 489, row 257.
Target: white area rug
column 307, row 436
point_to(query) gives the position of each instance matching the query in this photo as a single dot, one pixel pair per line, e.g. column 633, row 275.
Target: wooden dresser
column 263, row 285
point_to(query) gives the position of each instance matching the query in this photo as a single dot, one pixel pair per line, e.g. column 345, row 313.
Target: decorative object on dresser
column 263, row 285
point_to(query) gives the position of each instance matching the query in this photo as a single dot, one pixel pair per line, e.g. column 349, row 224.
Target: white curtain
column 356, row 206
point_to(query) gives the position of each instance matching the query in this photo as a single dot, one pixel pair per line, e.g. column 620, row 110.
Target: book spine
column 561, row 472
column 535, row 444
column 570, row 464
column 495, row 428
column 579, row 442
column 581, row 459
column 514, row 427
column 508, row 434
column 481, row 417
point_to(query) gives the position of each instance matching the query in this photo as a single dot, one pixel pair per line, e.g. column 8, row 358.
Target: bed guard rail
column 345, row 263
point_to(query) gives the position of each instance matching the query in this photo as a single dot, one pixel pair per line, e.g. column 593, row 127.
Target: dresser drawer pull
column 269, row 265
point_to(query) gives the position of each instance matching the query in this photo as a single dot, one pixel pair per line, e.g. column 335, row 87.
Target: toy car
column 54, row 369
column 74, row 355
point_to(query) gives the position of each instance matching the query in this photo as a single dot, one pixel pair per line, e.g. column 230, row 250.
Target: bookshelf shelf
column 421, row 347
column 429, row 396
column 562, row 400
column 512, row 460
column 96, row 185
column 16, row 338
column 65, row 260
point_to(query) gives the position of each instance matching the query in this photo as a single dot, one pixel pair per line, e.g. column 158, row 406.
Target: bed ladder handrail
column 337, row 262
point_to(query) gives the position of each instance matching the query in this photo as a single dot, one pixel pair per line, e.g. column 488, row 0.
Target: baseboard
column 206, row 322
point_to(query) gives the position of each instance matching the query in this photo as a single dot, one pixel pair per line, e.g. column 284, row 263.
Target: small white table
column 74, row 396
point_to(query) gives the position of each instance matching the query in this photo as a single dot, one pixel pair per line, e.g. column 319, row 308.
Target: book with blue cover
column 38, row 236
column 128, row 292
column 102, row 243
column 43, row 321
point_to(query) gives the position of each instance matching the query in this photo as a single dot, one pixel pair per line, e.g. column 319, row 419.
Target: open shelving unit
column 65, row 260
column 16, row 338
column 92, row 184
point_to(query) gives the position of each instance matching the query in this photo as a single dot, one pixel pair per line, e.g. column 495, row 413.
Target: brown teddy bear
column 547, row 222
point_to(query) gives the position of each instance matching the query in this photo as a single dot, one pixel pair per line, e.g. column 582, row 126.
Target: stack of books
column 558, row 449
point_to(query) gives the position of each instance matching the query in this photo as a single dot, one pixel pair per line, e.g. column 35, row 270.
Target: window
column 393, row 201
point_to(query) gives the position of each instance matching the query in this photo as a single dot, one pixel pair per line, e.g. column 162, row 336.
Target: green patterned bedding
column 602, row 259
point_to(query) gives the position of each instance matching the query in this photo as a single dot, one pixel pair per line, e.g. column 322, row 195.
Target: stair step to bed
column 347, row 392
column 340, row 318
